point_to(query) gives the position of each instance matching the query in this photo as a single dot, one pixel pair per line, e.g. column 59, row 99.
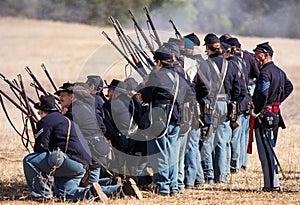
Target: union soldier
column 110, row 185
column 272, row 88
column 55, row 132
column 80, row 107
column 192, row 159
column 253, row 73
column 225, row 87
column 65, row 94
column 161, row 90
column 186, row 111
column 123, row 122
column 239, row 116
column 95, row 83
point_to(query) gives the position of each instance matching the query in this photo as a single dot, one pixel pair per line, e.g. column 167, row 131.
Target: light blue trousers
column 66, row 178
column 163, row 159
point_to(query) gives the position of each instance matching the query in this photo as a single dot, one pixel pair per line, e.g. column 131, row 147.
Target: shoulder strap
column 222, row 74
column 68, row 134
column 240, row 64
column 132, row 129
column 213, row 65
column 176, row 83
column 222, row 78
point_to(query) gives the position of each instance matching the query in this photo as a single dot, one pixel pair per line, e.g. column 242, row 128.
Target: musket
column 36, row 80
column 16, row 104
column 32, row 117
column 178, row 35
column 142, row 52
column 48, row 93
column 143, row 75
column 49, row 77
column 120, row 32
column 149, row 20
column 25, row 140
column 13, row 86
column 141, row 32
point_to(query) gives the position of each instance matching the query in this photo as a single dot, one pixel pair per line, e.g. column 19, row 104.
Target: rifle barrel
column 15, row 87
column 178, row 35
column 144, row 54
column 35, row 80
column 134, row 57
column 48, row 93
column 141, row 32
column 157, row 40
column 143, row 75
column 16, row 104
column 32, row 116
column 49, row 77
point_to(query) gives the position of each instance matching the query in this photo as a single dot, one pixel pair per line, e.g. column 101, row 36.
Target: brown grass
column 64, row 49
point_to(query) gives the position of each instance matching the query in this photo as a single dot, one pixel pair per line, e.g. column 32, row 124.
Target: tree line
column 272, row 18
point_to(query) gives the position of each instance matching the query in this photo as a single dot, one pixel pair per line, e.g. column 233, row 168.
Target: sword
column 272, row 150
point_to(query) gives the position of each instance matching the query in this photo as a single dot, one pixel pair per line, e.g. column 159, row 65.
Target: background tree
column 273, row 18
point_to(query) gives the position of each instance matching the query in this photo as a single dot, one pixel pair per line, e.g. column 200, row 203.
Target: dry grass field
column 70, row 51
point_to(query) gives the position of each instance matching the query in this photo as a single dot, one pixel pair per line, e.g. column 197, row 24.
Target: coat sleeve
column 235, row 89
column 42, row 137
column 261, row 92
column 288, row 88
column 201, row 85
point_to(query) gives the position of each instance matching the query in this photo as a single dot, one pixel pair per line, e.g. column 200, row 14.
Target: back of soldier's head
column 96, row 81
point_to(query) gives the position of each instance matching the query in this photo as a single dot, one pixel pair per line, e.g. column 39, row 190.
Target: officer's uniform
column 51, row 134
column 272, row 88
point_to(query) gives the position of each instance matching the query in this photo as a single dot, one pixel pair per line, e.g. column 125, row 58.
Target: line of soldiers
column 189, row 123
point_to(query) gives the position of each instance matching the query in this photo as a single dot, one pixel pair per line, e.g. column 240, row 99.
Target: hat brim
column 261, row 50
column 39, row 107
column 116, row 88
column 64, row 90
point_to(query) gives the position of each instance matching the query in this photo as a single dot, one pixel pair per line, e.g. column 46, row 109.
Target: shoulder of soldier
column 233, row 70
column 198, row 57
column 51, row 118
column 153, row 73
column 266, row 72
